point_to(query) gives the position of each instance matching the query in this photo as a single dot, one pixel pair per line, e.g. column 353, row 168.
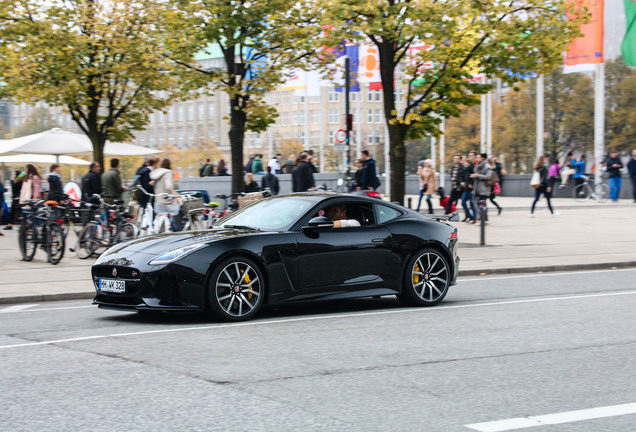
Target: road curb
column 549, row 268
column 39, row 298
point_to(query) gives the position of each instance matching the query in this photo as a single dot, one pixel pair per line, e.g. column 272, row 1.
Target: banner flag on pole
column 586, row 51
column 369, row 69
column 349, row 50
column 628, row 48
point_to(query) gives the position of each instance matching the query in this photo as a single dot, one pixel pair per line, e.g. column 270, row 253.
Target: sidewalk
column 584, row 236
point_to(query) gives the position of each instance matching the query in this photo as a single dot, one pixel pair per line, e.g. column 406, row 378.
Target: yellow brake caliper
column 416, row 277
column 247, row 280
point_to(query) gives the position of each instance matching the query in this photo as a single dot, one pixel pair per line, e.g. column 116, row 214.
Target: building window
column 333, row 115
column 314, row 116
column 301, row 115
column 370, row 116
column 211, row 110
column 334, row 96
column 180, row 138
column 331, row 137
column 314, row 99
column 378, row 116
column 161, row 138
column 180, row 113
column 295, row 117
column 201, row 111
column 190, row 137
column 210, row 132
column 171, row 114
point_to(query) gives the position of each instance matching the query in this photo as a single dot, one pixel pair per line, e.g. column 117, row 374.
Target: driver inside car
column 338, row 214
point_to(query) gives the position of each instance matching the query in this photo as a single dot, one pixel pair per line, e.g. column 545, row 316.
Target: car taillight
column 453, row 235
column 374, row 194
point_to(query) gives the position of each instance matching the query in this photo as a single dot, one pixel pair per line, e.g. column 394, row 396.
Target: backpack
column 494, row 178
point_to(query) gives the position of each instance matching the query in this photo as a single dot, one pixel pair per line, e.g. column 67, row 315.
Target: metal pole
column 433, row 151
column 599, row 121
column 484, row 109
column 347, row 108
column 489, row 124
column 442, row 155
column 540, row 114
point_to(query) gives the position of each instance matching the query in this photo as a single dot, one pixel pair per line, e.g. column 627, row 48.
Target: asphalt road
column 499, row 348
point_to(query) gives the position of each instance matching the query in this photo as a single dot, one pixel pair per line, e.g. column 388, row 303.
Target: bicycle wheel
column 88, row 241
column 28, row 240
column 55, row 243
column 581, row 193
column 602, row 192
column 127, row 232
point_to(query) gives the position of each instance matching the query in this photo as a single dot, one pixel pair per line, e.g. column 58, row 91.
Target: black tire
column 87, row 241
column 28, row 240
column 55, row 243
column 427, row 278
column 127, row 232
column 236, row 290
column 581, row 193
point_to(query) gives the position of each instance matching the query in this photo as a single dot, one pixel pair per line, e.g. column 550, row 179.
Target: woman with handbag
column 31, row 185
column 544, row 186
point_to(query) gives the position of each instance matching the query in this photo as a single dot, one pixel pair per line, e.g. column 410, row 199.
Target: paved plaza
column 584, row 236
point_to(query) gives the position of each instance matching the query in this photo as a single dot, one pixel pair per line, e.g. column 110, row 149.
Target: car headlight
column 175, row 254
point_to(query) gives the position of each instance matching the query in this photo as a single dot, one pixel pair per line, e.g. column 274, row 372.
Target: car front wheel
column 236, row 289
column 426, row 279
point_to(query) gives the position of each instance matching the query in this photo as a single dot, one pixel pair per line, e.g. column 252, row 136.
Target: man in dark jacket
column 145, row 181
column 631, row 168
column 56, row 191
column 270, row 181
column 614, row 165
column 92, row 182
column 456, row 183
column 302, row 175
column 368, row 179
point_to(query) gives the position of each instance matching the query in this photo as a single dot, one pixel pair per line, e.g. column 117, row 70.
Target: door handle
column 377, row 240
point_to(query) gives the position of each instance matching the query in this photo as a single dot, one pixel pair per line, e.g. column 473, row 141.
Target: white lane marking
column 553, row 419
column 18, row 308
column 317, row 318
column 492, row 276
column 48, row 309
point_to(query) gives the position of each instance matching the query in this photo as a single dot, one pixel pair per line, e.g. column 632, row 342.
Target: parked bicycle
column 42, row 225
column 109, row 224
column 154, row 223
column 587, row 190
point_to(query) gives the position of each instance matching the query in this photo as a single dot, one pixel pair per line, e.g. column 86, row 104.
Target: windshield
column 274, row 214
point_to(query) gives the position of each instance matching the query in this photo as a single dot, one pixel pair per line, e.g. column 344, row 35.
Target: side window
column 386, row 213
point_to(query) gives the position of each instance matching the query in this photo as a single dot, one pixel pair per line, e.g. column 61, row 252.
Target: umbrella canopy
column 42, row 159
column 59, row 142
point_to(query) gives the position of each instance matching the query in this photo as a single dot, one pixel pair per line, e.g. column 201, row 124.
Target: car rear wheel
column 426, row 279
column 236, row 290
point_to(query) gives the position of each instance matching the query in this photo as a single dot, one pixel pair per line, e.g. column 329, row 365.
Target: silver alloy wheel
column 430, row 276
column 238, row 289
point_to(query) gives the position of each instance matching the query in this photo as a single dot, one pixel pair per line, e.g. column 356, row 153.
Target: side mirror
column 454, row 217
column 320, row 222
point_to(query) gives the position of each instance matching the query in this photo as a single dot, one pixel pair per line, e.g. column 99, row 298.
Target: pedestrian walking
column 111, row 183
column 545, row 185
column 482, row 175
column 274, row 164
column 631, row 168
column 257, row 164
column 288, row 165
column 92, row 182
column 16, row 186
column 143, row 179
column 495, row 189
column 207, row 170
column 163, row 183
column 455, row 181
column 302, row 175
column 250, row 183
column 579, row 169
column 31, row 185
column 356, row 177
column 56, row 191
column 270, row 181
column 499, row 169
column 369, row 178
column 467, row 184
column 429, row 184
column 221, row 169
column 614, row 166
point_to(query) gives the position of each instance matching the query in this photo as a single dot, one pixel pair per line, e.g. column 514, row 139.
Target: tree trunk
column 237, row 134
column 397, row 153
column 98, row 140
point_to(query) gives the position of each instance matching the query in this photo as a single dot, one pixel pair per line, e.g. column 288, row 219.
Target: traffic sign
column 340, row 148
column 341, row 135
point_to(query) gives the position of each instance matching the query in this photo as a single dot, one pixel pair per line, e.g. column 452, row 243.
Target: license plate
column 110, row 285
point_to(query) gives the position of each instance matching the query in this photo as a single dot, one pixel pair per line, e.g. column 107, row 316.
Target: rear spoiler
column 453, row 217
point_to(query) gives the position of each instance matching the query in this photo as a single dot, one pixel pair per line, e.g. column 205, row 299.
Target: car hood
column 164, row 242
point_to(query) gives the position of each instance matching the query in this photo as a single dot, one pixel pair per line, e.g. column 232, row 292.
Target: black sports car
column 281, row 250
